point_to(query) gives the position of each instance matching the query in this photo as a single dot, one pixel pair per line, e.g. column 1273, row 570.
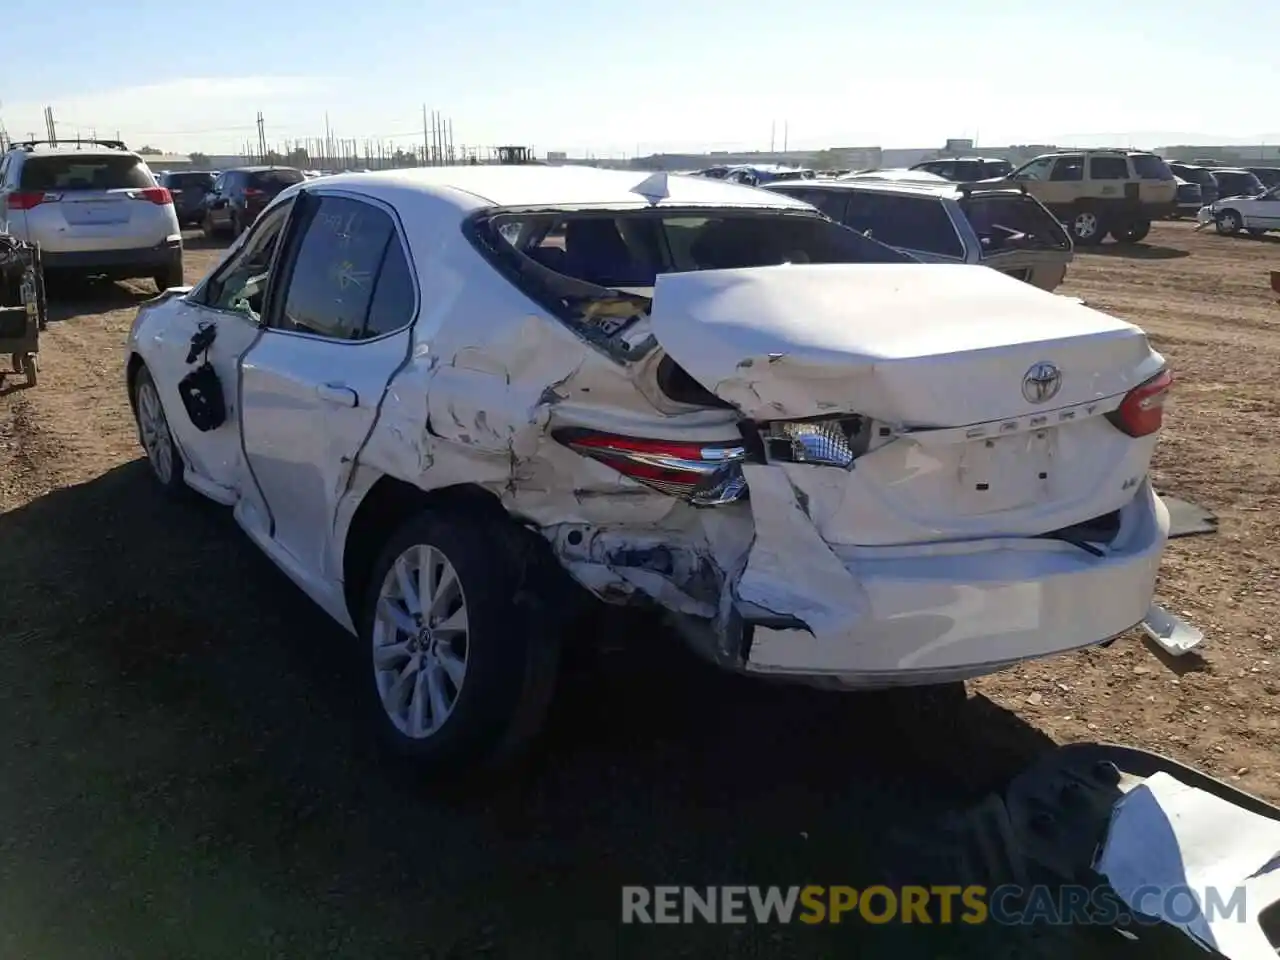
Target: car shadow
column 1134, row 251
column 185, row 727
column 71, row 297
column 198, row 241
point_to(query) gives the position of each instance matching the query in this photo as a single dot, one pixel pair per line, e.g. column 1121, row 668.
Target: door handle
column 338, row 394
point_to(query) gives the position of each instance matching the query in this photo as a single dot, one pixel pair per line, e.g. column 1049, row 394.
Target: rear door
column 337, row 328
column 1156, row 183
column 91, row 202
column 1019, row 237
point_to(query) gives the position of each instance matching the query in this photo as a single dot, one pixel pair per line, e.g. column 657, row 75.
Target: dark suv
column 240, row 194
column 1201, row 176
column 1237, row 183
column 966, row 169
column 1270, row 176
column 189, row 189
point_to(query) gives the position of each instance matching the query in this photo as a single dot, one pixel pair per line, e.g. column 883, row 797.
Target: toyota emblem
column 1041, row 383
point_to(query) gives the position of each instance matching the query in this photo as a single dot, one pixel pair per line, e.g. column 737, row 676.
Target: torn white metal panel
column 790, row 570
column 1167, row 837
column 1170, row 632
column 939, row 345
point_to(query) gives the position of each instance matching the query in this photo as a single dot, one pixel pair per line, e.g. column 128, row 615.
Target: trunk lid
column 909, row 344
column 951, row 371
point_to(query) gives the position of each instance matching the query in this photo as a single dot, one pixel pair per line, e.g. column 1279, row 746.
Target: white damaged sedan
column 428, row 394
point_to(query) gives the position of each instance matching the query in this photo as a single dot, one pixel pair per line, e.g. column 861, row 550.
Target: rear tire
column 1086, row 227
column 206, row 227
column 1228, row 223
column 467, row 682
column 1257, row 232
column 1135, row 231
column 170, row 276
column 30, row 369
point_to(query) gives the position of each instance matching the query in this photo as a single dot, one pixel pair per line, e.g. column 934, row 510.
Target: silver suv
column 94, row 208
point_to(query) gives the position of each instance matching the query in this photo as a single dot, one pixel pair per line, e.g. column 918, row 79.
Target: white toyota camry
column 428, row 394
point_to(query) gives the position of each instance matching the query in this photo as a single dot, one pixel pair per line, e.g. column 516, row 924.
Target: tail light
column 157, row 195
column 28, row 199
column 706, row 474
column 1141, row 412
column 251, row 193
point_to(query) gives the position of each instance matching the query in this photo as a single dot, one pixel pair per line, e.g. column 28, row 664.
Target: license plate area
column 1005, row 473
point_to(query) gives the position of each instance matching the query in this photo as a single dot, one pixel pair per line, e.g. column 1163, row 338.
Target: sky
column 617, row 79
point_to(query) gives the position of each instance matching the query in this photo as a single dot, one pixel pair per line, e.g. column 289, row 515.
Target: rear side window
column 998, row 168
column 1150, row 167
column 1006, row 223
column 911, row 223
column 1068, row 168
column 274, row 179
column 75, row 172
column 1108, row 168
column 331, row 286
column 1239, row 184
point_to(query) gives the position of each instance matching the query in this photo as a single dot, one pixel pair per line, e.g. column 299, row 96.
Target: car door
column 336, row 329
column 230, row 301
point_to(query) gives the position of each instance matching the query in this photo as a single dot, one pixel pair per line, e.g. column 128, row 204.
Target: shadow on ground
column 71, row 297
column 186, row 772
column 1134, row 251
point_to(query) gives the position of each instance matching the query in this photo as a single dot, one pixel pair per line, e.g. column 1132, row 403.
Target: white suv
column 94, row 208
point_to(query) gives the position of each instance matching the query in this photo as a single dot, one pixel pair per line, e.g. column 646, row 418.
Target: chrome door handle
column 338, row 394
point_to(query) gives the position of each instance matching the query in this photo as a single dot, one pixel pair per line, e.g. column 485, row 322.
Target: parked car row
column 824, row 461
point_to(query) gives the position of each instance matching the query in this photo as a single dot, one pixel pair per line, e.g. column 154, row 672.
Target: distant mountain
column 1163, row 138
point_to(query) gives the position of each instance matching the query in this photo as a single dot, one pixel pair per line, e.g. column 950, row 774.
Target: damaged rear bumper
column 929, row 614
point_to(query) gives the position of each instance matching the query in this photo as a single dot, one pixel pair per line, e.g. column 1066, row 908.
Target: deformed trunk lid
column 919, row 345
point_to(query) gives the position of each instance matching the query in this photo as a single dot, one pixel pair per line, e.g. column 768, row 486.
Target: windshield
column 68, row 173
column 562, row 259
column 1006, row 222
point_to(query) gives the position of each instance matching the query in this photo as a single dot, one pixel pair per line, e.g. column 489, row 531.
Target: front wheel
column 1228, row 223
column 460, row 676
column 1135, row 231
column 154, row 435
column 1086, row 228
column 1257, row 232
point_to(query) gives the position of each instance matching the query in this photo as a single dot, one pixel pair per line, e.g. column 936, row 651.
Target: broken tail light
column 706, row 474
column 1141, row 412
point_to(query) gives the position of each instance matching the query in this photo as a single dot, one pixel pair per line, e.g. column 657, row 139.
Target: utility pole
column 262, row 137
column 773, row 127
column 786, row 126
column 450, row 140
column 426, row 140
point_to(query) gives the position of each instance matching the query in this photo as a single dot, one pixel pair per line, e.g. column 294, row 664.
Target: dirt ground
column 184, row 771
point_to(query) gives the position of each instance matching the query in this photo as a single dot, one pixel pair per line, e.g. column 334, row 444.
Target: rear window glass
column 1005, row 223
column 184, row 181
column 587, row 251
column 275, row 179
column 85, row 173
column 911, row 223
column 1150, row 167
column 998, row 168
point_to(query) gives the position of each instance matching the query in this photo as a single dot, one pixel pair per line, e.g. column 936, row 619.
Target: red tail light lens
column 27, row 200
column 251, row 192
column 1141, row 412
column 157, row 195
column 704, row 473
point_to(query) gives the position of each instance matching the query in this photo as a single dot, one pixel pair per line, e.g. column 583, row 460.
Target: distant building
column 166, row 161
column 1256, row 154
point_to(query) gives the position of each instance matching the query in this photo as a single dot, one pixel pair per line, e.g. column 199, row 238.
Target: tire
column 206, row 227
column 30, row 369
column 1228, row 223
column 492, row 679
column 237, row 227
column 153, row 432
column 170, row 276
column 1086, row 227
column 1135, row 231
column 1257, row 232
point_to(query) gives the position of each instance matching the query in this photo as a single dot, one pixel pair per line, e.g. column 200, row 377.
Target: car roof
column 471, row 188
column 924, row 188
column 965, row 159
column 61, row 150
column 260, row 168
column 1231, row 170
